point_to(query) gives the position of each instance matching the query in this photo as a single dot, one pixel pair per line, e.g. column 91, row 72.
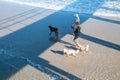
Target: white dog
column 69, row 52
column 84, row 48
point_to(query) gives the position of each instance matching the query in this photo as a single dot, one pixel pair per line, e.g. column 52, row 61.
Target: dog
column 84, row 48
column 69, row 52
column 55, row 30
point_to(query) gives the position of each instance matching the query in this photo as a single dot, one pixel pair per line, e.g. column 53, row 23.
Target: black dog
column 55, row 30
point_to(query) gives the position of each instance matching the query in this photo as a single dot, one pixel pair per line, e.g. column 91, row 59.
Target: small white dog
column 69, row 52
column 84, row 48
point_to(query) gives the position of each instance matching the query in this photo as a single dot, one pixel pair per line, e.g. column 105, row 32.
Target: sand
column 27, row 52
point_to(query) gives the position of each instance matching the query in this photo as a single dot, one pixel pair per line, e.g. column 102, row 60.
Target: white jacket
column 77, row 18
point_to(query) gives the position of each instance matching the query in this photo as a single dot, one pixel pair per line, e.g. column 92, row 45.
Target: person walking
column 76, row 33
column 76, row 29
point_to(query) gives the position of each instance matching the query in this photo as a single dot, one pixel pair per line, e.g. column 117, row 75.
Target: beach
column 28, row 53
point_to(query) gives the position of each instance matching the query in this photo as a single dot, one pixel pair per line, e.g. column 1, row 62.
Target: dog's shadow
column 57, row 52
column 53, row 39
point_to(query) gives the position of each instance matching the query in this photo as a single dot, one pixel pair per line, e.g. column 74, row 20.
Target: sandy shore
column 27, row 53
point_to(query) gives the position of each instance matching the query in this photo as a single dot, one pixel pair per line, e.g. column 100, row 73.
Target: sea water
column 92, row 7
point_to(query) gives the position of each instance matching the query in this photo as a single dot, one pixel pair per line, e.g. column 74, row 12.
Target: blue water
column 94, row 7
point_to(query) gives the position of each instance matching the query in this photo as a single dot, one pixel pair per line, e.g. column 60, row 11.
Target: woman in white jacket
column 76, row 29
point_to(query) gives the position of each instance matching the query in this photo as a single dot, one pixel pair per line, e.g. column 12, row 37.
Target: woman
column 76, row 32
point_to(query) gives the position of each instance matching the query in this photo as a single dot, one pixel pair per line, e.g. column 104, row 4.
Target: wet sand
column 27, row 52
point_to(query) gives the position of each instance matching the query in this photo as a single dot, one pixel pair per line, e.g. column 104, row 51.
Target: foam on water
column 94, row 7
column 49, row 4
